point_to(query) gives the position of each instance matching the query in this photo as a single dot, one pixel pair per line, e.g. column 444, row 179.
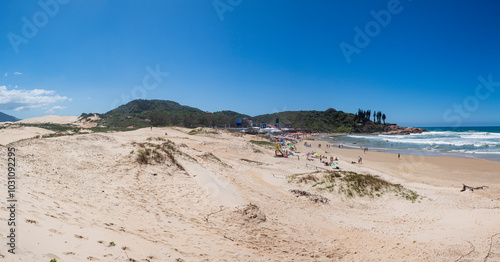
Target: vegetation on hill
column 329, row 120
column 145, row 113
column 7, row 118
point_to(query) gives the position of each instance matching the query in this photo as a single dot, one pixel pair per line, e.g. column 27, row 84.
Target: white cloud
column 27, row 99
column 18, row 73
column 55, row 108
column 6, row 74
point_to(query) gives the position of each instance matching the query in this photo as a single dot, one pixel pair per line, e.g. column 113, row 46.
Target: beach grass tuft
column 156, row 139
column 353, row 184
column 262, row 143
column 150, row 153
column 201, row 130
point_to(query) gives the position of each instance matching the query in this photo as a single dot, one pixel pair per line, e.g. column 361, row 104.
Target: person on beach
column 329, row 163
column 399, row 156
column 364, row 151
column 359, row 159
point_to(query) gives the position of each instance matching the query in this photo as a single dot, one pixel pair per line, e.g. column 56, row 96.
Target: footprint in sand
column 55, row 231
column 69, row 253
column 80, row 237
column 93, row 259
column 31, row 221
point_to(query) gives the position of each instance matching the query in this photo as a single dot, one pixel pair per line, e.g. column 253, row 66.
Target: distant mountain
column 7, row 118
column 144, row 113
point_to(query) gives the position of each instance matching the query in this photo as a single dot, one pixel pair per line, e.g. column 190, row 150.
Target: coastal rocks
column 399, row 130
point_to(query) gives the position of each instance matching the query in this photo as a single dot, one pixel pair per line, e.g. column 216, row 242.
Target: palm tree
column 383, row 118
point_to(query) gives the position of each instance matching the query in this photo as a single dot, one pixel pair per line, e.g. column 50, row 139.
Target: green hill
column 232, row 114
column 144, row 113
column 7, row 118
column 329, row 120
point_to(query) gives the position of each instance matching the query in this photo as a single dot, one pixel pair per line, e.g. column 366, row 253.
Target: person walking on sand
column 399, row 156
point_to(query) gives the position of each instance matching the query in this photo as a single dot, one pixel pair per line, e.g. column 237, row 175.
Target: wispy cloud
column 54, row 108
column 6, row 74
column 18, row 73
column 28, row 99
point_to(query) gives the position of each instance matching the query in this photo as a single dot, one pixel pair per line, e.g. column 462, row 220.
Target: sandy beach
column 219, row 197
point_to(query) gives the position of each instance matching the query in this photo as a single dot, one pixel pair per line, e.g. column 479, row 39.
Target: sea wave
column 442, row 141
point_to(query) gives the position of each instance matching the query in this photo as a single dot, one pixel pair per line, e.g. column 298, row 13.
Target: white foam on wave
column 434, row 139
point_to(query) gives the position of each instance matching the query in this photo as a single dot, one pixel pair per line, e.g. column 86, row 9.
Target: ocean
column 469, row 142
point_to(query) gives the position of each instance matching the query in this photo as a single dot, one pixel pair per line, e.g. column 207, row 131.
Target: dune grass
column 353, row 184
column 150, row 153
column 156, row 139
column 262, row 143
column 201, row 130
column 54, row 127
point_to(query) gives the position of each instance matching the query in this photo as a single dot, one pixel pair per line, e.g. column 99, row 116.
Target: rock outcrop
column 399, row 130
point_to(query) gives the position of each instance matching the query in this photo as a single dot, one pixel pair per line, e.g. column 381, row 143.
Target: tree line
column 365, row 115
column 191, row 119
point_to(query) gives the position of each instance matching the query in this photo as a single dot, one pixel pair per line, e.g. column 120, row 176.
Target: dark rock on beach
column 399, row 130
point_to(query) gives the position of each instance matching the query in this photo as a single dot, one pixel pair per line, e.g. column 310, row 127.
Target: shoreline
column 447, row 171
column 415, row 152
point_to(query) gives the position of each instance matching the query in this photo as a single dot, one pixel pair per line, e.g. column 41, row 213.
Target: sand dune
column 16, row 133
column 222, row 198
column 55, row 119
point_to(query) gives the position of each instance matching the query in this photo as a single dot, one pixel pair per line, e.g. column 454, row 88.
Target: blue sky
column 421, row 67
